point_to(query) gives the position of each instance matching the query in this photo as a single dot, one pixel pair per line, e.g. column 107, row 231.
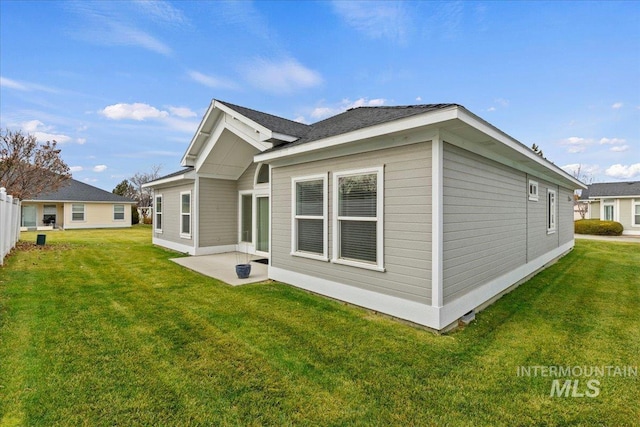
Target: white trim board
column 437, row 318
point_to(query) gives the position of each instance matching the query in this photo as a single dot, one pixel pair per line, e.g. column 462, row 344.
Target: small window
column 533, row 190
column 636, row 212
column 185, row 214
column 551, row 211
column 118, row 212
column 49, row 217
column 263, row 174
column 246, row 216
column 309, row 223
column 158, row 214
column 357, row 218
column 77, row 212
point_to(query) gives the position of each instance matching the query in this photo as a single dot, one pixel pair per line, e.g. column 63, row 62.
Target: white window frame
column 84, row 212
column 241, row 240
column 157, row 212
column 335, row 256
column 552, row 211
column 325, row 221
column 634, row 204
column 533, row 190
column 182, row 233
column 124, row 212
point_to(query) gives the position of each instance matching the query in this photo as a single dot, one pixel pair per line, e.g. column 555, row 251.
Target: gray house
column 422, row 212
column 614, row 201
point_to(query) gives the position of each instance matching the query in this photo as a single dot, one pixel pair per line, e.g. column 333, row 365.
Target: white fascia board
column 187, row 176
column 265, row 133
column 185, row 161
column 400, row 125
column 283, row 137
column 493, row 132
column 596, row 198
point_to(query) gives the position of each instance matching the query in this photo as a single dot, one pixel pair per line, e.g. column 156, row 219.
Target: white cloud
column 137, row 111
column 76, row 168
column 100, row 168
column 418, row 99
column 284, row 76
column 12, row 84
column 25, row 86
column 584, row 169
column 211, row 81
column 376, row 20
column 617, row 105
column 491, row 109
column 162, row 11
column 344, row 105
column 612, row 141
column 182, row 112
column 619, row 171
column 576, row 144
column 81, row 140
column 43, row 133
column 619, row 148
column 301, row 119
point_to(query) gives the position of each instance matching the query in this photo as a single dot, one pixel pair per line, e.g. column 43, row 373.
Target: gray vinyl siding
column 565, row 216
column 539, row 241
column 171, row 213
column 247, row 179
column 484, row 230
column 407, row 222
column 217, row 212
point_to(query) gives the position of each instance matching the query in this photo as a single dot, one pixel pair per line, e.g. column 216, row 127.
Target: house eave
column 186, row 177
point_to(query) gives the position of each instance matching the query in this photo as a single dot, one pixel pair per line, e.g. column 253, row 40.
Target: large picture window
column 357, row 218
column 551, row 211
column 185, row 214
column 158, row 214
column 309, row 222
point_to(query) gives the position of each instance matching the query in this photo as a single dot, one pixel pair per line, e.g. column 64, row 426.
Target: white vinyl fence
column 9, row 223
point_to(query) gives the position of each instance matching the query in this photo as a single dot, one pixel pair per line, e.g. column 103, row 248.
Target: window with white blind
column 309, row 217
column 77, row 212
column 357, row 218
column 118, row 212
column 158, row 214
column 551, row 211
column 185, row 214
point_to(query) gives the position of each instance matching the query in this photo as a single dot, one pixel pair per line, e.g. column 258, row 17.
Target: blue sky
column 122, row 86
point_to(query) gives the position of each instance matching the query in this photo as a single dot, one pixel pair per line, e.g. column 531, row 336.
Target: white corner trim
column 437, row 221
column 412, row 311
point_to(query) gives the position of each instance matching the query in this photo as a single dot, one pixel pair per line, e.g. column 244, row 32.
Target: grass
column 99, row 328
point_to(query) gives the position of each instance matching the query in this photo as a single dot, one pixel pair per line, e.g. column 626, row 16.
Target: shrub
column 135, row 216
column 147, row 220
column 597, row 227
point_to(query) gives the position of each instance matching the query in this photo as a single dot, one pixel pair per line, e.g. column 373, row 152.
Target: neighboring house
column 614, row 201
column 76, row 205
column 421, row 212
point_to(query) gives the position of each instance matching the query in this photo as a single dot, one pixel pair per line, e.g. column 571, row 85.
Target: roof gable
column 76, row 191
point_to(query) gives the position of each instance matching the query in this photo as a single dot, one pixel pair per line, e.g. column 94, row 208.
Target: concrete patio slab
column 223, row 267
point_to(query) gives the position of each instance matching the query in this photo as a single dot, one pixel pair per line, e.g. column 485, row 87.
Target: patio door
column 28, row 216
column 262, row 224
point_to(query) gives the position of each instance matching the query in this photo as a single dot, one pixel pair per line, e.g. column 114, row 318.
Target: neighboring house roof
column 611, row 189
column 76, row 191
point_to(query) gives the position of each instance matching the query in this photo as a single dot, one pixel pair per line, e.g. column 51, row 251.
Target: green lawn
column 99, row 328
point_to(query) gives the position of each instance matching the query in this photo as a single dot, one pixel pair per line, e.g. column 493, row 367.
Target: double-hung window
column 118, row 212
column 158, row 214
column 309, row 222
column 77, row 212
column 636, row 213
column 185, row 214
column 551, row 211
column 358, row 218
column 533, row 190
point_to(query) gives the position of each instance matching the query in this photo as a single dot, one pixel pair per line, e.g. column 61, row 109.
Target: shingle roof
column 274, row 123
column 177, row 173
column 362, row 117
column 611, row 189
column 76, row 191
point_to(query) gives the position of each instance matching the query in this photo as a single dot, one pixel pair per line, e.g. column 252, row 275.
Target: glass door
column 28, row 216
column 262, row 223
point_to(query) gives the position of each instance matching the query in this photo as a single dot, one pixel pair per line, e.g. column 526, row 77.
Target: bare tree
column 580, row 205
column 144, row 195
column 28, row 168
